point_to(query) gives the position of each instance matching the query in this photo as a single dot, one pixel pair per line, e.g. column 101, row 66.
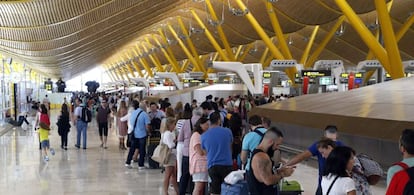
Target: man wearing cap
column 330, row 133
column 102, row 120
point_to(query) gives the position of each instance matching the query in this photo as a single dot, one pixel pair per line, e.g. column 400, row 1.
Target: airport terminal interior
column 299, row 65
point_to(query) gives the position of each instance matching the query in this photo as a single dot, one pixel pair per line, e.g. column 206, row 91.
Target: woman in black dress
column 64, row 126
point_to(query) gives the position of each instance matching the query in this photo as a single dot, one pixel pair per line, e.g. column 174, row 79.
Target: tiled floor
column 91, row 171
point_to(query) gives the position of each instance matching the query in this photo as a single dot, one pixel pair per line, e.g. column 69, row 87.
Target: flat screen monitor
column 325, row 81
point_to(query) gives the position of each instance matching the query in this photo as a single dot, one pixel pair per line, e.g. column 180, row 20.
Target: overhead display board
column 316, row 73
column 267, row 75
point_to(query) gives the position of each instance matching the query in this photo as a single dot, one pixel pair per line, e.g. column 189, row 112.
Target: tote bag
column 161, row 153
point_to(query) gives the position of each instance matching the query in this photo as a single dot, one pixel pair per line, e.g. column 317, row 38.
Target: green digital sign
column 267, row 75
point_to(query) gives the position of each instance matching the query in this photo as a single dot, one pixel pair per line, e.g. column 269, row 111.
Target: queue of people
column 207, row 148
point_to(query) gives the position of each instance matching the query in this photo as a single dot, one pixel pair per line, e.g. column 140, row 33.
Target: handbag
column 161, row 153
column 131, row 135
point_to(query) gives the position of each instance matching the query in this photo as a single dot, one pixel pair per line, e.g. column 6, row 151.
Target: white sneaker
column 46, row 158
column 141, row 168
column 128, row 166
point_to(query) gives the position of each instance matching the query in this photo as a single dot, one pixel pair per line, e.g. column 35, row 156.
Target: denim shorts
column 45, row 144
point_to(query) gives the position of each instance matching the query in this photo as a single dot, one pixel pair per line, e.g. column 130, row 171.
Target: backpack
column 226, row 120
column 402, row 182
column 260, row 134
column 372, row 170
column 270, row 152
column 44, row 118
column 86, row 115
column 155, row 123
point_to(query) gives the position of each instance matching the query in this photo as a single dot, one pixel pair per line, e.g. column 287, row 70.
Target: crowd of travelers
column 209, row 140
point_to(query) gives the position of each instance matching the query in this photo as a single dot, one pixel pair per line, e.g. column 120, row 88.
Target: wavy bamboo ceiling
column 66, row 37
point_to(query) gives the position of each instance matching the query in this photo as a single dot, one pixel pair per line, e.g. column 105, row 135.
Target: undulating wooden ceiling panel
column 300, row 10
column 358, row 6
column 63, row 38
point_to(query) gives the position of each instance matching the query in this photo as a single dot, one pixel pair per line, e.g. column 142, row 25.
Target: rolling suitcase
column 290, row 188
column 240, row 188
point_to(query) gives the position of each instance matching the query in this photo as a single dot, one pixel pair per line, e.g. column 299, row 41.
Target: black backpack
column 155, row 123
column 270, row 152
column 86, row 115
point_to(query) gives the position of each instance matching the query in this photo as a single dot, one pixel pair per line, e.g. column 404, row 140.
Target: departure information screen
column 267, row 75
column 316, row 73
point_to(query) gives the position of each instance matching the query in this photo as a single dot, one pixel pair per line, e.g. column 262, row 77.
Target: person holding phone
column 262, row 177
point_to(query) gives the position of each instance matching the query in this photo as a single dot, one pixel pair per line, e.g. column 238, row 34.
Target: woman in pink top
column 198, row 158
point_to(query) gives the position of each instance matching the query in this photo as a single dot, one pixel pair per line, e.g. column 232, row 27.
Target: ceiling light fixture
column 373, row 26
column 341, row 31
column 236, row 11
column 197, row 30
column 215, row 22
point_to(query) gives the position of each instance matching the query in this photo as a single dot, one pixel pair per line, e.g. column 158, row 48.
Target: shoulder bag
column 161, row 152
column 131, row 135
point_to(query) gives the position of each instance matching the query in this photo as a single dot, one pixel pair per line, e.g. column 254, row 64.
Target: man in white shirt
column 81, row 126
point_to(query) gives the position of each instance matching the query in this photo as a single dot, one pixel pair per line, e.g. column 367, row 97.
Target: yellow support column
column 239, row 49
column 391, row 46
column 245, row 52
column 167, row 51
column 7, row 69
column 152, row 58
column 398, row 37
column 107, row 72
column 144, row 64
column 264, row 55
column 115, row 72
column 186, row 51
column 266, row 63
column 220, row 31
column 127, row 65
column 278, row 30
column 191, row 44
column 118, row 69
column 109, row 75
column 155, row 56
column 365, row 34
column 309, row 63
column 125, row 69
column 135, row 65
column 405, row 28
column 159, row 68
column 210, row 37
column 185, row 65
column 260, row 31
column 309, row 46
column 137, row 68
column 170, row 59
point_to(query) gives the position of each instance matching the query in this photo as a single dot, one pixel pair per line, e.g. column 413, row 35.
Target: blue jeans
column 137, row 143
column 81, row 127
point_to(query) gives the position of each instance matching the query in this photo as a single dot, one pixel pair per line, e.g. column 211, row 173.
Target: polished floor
column 92, row 171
